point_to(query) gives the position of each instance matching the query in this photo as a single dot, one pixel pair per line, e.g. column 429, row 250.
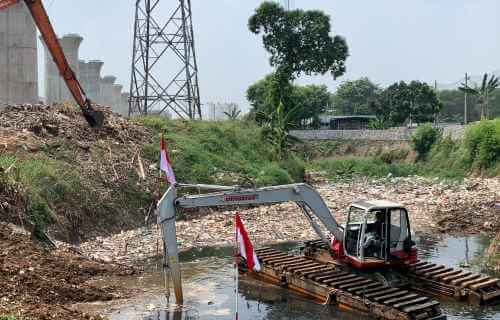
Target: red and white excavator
column 377, row 233
column 376, row 238
column 94, row 117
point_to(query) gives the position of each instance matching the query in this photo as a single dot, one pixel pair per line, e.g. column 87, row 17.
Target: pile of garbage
column 434, row 206
column 105, row 160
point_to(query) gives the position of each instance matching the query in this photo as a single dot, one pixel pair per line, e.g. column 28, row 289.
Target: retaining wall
column 397, row 134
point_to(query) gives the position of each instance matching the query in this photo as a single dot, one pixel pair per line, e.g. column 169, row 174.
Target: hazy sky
column 389, row 40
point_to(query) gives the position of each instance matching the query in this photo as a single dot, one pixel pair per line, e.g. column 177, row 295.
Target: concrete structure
column 55, row 87
column 395, row 134
column 90, row 78
column 124, row 102
column 106, row 87
column 116, row 106
column 18, row 56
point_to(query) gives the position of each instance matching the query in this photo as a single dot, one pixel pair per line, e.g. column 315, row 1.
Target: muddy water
column 208, row 289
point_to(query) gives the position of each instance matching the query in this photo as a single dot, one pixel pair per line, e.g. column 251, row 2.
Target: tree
column 298, row 42
column 424, row 103
column 403, row 102
column 355, row 97
column 483, row 93
column 308, row 102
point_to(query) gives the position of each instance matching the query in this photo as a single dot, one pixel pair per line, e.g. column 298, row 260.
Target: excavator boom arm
column 42, row 21
column 304, row 195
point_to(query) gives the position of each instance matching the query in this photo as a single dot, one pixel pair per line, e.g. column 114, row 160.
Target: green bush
column 482, row 144
column 393, row 156
column 295, row 168
column 8, row 317
column 424, row 138
column 272, row 174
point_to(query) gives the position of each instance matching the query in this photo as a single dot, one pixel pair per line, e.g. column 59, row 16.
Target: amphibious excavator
column 335, row 269
column 94, row 117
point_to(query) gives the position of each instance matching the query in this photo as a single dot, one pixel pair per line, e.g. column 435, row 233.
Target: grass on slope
column 229, row 152
column 375, row 167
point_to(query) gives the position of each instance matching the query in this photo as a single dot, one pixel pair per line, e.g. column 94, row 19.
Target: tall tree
column 484, row 92
column 298, row 41
column 355, row 97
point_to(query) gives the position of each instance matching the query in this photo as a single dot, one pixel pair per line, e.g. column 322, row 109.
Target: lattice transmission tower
column 164, row 70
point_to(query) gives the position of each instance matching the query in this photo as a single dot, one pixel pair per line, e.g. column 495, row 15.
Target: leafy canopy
column 355, row 97
column 299, row 41
column 307, row 101
column 400, row 102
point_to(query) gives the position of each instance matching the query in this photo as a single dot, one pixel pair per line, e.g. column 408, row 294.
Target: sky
column 389, row 40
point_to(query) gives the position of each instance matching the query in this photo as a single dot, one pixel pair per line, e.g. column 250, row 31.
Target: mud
column 38, row 284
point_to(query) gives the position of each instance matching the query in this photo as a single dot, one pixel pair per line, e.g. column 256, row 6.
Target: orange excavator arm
column 94, row 118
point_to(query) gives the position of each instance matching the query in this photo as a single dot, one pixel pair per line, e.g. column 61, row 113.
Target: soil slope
column 37, row 284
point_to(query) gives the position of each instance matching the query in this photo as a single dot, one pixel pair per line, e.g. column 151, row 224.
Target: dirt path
column 470, row 207
column 37, row 284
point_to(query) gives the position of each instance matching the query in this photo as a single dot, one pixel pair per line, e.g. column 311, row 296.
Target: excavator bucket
column 95, row 118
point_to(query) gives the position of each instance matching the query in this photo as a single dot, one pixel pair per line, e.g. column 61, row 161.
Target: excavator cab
column 377, row 234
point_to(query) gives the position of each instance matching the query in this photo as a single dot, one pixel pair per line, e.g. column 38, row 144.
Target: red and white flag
column 245, row 245
column 165, row 164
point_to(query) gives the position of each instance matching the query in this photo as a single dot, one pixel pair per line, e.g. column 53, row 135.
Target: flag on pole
column 165, row 164
column 245, row 246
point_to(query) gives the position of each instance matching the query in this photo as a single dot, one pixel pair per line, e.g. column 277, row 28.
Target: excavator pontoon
column 335, row 268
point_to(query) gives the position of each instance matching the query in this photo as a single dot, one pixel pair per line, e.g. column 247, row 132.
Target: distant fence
column 395, row 134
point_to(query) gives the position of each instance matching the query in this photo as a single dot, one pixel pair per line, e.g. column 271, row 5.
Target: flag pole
column 236, row 268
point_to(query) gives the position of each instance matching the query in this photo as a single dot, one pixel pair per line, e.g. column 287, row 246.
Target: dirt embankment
column 37, row 284
column 86, row 181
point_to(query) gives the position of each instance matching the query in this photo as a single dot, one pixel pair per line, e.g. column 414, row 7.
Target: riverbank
column 470, row 207
column 38, row 284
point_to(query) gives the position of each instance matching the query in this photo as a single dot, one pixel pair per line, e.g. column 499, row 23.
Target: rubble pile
column 468, row 207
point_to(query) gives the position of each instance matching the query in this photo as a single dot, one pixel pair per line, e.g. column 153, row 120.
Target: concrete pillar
column 124, row 102
column 117, row 99
column 18, row 56
column 93, row 88
column 106, row 88
column 71, row 47
column 55, row 87
column 52, row 90
column 90, row 77
column 83, row 74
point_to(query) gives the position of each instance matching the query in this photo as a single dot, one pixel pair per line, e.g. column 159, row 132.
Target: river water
column 209, row 289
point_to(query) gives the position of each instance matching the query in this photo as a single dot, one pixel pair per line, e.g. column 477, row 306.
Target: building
column 355, row 122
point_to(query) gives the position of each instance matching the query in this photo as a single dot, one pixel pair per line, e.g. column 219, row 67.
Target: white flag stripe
column 243, row 252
